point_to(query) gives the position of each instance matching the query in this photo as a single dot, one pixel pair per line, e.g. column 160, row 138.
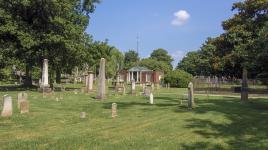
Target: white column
column 146, row 77
column 137, row 77
column 140, row 77
column 132, row 77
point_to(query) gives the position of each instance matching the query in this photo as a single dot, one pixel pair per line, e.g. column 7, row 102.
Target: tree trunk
column 58, row 76
column 244, row 88
column 28, row 80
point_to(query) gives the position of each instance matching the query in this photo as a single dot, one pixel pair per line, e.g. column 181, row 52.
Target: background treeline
column 242, row 45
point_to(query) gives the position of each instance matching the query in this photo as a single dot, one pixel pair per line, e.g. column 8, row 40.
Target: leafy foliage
column 178, row 78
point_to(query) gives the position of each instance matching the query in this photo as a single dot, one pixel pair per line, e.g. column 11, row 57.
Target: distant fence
column 228, row 85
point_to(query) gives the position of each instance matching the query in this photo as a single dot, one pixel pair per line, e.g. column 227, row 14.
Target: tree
column 153, row 64
column 162, row 55
column 114, row 58
column 33, row 30
column 131, row 59
column 178, row 78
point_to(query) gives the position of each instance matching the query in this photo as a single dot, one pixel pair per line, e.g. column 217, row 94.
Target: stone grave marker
column 190, row 95
column 24, row 107
column 7, row 106
column 114, row 110
column 22, row 96
column 101, row 92
column 151, row 98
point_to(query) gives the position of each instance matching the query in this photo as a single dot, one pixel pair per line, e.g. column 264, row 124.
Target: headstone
column 124, row 89
column 151, row 98
column 24, row 107
column 7, row 106
column 83, row 115
column 147, row 91
column 133, row 87
column 101, row 93
column 22, row 96
column 190, row 95
column 152, row 86
column 44, row 82
column 90, row 82
column 114, row 110
column 244, row 89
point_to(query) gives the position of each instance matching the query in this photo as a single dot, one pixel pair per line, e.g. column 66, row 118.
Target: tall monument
column 44, row 87
column 101, row 91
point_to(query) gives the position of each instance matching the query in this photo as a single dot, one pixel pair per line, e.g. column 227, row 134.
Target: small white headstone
column 7, row 106
column 114, row 110
column 151, row 98
column 83, row 115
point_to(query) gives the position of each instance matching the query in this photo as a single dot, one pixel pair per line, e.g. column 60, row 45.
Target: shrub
column 178, row 78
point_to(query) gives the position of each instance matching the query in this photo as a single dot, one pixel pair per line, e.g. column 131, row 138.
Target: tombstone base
column 100, row 97
column 45, row 89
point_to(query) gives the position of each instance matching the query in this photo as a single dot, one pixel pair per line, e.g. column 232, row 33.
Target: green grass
column 215, row 123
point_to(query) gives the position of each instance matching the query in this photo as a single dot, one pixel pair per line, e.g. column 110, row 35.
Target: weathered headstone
column 7, row 106
column 83, row 115
column 244, row 88
column 114, row 110
column 124, row 89
column 45, row 87
column 190, row 95
column 101, row 93
column 151, row 98
column 90, row 82
column 147, row 91
column 133, row 87
column 24, row 107
column 22, row 96
column 152, row 86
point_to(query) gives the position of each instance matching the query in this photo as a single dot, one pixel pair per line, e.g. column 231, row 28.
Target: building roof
column 138, row 69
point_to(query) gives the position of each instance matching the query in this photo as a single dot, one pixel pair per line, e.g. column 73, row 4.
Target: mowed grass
column 215, row 123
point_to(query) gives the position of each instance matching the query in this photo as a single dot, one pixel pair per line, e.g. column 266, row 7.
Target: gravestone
column 244, row 89
column 152, row 86
column 124, row 89
column 90, row 82
column 114, row 110
column 44, row 87
column 147, row 91
column 22, row 96
column 83, row 115
column 190, row 95
column 24, row 107
column 101, row 92
column 133, row 87
column 7, row 106
column 151, row 98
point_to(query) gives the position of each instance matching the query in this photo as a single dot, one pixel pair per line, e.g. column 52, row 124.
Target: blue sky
column 178, row 26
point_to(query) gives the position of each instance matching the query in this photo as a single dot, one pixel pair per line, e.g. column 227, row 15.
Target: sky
column 178, row 26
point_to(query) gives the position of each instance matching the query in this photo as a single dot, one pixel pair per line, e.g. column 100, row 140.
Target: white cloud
column 181, row 17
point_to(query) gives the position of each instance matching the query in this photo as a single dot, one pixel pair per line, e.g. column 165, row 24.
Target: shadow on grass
column 17, row 88
column 246, row 125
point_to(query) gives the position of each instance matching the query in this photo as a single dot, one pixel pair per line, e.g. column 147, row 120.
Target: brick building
column 141, row 75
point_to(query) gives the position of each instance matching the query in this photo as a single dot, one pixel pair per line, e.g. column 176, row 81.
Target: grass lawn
column 215, row 123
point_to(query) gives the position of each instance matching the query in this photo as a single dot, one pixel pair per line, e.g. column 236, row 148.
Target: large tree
column 131, row 59
column 32, row 30
column 162, row 55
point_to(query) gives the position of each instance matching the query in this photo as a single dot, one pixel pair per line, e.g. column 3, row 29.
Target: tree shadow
column 17, row 88
column 245, row 125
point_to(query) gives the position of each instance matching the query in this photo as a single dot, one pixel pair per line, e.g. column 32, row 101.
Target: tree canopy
column 240, row 46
